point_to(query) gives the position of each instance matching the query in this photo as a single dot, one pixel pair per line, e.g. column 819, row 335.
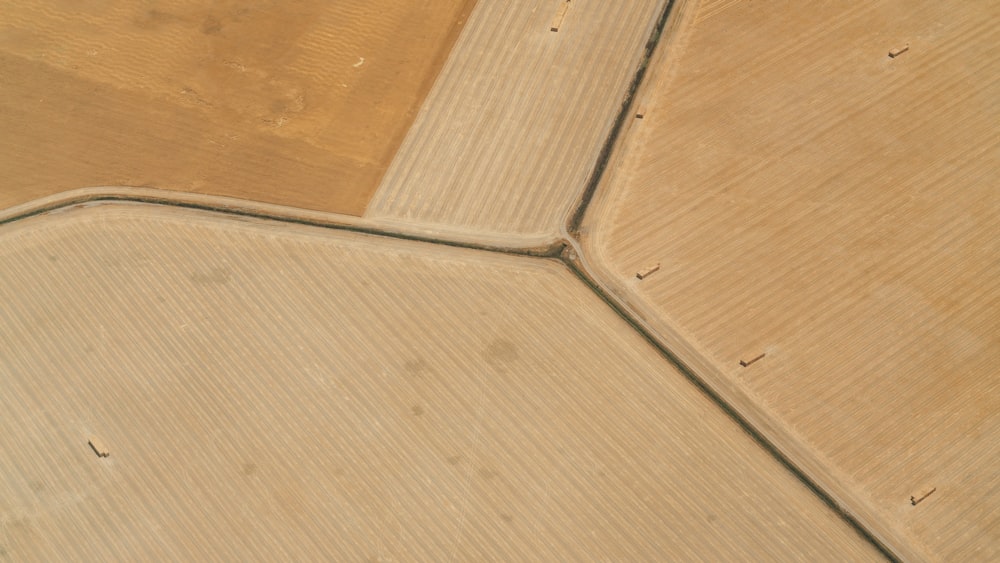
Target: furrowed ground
column 811, row 198
column 273, row 391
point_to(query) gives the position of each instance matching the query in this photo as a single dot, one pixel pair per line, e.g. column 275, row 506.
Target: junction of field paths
column 565, row 149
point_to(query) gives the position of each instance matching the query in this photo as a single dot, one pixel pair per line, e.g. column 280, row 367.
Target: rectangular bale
column 560, row 14
column 99, row 447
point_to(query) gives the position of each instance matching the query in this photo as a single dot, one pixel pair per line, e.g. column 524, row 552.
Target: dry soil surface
column 278, row 392
column 508, row 137
column 295, row 103
column 811, row 198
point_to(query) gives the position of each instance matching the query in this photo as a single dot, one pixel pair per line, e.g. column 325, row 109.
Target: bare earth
column 508, row 137
column 298, row 104
column 278, row 392
column 812, row 199
column 273, row 391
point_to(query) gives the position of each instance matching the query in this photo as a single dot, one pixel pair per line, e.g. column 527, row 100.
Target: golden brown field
column 298, row 104
column 800, row 210
column 810, row 198
column 273, row 391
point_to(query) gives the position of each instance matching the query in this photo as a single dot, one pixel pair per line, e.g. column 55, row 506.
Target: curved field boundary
column 833, row 486
column 527, row 246
column 437, row 399
column 667, row 339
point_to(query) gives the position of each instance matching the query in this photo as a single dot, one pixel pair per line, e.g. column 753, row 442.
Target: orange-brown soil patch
column 298, row 104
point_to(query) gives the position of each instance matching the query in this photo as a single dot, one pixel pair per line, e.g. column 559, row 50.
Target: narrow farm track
column 809, row 197
column 298, row 104
column 407, row 401
column 533, row 231
column 253, row 209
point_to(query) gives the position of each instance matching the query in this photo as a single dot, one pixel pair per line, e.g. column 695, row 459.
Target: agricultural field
column 817, row 184
column 508, row 136
column 276, row 391
column 299, row 104
column 800, row 210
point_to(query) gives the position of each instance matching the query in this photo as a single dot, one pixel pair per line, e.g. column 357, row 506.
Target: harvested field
column 301, row 105
column 279, row 392
column 508, row 137
column 813, row 199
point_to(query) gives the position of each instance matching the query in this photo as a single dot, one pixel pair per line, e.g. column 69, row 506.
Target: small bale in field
column 917, row 499
column 647, row 271
column 558, row 18
column 98, row 446
column 893, row 53
column 745, row 363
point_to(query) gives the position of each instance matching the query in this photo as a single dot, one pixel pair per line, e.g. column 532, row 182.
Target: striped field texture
column 509, row 134
column 280, row 392
column 811, row 198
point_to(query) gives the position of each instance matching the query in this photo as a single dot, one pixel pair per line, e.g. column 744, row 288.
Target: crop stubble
column 284, row 392
column 811, row 198
column 298, row 104
column 508, row 136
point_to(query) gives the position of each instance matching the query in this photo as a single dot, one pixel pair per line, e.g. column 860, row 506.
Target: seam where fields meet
column 567, row 248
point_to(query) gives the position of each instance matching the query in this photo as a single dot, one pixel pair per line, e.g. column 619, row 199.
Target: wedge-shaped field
column 281, row 392
column 811, row 198
column 296, row 103
column 509, row 134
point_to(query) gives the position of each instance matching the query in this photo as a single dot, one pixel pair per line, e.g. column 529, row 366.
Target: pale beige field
column 508, row 136
column 301, row 104
column 812, row 199
column 277, row 392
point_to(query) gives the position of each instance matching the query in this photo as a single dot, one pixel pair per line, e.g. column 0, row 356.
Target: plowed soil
column 815, row 200
column 285, row 392
column 299, row 105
